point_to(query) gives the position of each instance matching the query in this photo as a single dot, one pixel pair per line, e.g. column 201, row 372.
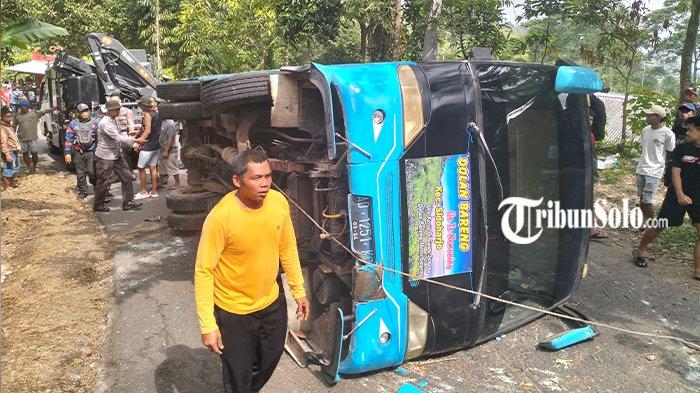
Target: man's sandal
column 639, row 261
column 599, row 235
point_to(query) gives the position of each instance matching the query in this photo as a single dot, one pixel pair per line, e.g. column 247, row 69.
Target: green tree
column 621, row 32
column 202, row 43
column 17, row 30
column 676, row 17
column 226, row 36
column 158, row 19
column 375, row 20
column 475, row 23
column 460, row 24
column 690, row 44
column 303, row 22
column 415, row 22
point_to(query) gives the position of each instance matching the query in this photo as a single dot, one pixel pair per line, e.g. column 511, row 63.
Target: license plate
column 362, row 234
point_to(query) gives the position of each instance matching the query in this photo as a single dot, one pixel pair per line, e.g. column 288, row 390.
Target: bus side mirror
column 577, row 80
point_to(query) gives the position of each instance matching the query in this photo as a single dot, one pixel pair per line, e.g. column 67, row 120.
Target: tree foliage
column 618, row 34
column 475, row 23
column 207, row 36
column 301, row 22
column 20, row 34
column 462, row 25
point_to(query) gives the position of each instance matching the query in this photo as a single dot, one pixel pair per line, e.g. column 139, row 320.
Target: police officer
column 81, row 141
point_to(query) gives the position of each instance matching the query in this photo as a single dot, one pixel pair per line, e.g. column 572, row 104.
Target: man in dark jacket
column 688, row 108
column 690, row 96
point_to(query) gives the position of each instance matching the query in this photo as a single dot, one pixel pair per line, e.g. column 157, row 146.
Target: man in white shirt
column 657, row 141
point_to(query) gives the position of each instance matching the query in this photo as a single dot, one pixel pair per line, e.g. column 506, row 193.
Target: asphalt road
column 153, row 343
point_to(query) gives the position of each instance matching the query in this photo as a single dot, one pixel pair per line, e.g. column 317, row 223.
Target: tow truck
column 71, row 81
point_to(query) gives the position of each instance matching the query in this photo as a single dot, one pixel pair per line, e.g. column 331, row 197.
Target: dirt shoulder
column 57, row 270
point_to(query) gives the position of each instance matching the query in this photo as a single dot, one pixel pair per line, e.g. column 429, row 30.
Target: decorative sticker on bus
column 439, row 216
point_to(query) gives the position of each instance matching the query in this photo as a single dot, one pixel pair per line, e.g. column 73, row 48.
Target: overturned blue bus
column 405, row 164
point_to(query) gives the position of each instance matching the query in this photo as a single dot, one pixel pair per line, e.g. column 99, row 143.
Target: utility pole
column 430, row 39
column 398, row 10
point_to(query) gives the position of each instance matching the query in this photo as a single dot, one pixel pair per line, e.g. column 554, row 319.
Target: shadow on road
column 188, row 370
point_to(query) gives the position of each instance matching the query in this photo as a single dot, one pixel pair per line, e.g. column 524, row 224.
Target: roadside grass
column 626, row 167
column 54, row 305
column 680, row 239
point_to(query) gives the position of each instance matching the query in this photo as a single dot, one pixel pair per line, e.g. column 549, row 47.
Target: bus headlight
column 417, row 330
column 411, row 99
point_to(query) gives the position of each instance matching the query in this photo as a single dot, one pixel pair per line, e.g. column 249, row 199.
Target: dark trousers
column 103, row 171
column 85, row 169
column 253, row 345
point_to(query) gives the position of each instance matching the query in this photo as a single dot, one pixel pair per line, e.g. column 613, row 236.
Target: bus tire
column 221, row 95
column 179, row 91
column 182, row 201
column 186, row 222
column 191, row 110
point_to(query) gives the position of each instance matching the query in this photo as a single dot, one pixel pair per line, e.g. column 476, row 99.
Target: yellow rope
column 689, row 343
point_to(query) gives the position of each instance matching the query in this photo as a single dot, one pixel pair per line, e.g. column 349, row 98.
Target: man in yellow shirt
column 241, row 307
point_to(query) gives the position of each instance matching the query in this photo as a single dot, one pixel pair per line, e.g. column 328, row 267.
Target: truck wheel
column 186, row 222
column 221, row 95
column 181, row 110
column 183, row 201
column 179, row 91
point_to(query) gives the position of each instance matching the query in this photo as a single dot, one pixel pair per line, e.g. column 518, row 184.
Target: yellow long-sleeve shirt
column 239, row 255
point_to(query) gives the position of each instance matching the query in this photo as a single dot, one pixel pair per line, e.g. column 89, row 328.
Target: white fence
column 613, row 111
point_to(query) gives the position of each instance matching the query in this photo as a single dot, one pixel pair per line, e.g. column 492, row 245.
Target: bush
column 643, row 98
column 625, row 169
column 632, row 149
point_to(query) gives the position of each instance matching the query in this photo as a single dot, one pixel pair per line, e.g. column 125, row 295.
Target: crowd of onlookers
column 11, row 94
column 671, row 155
column 103, row 142
column 116, row 138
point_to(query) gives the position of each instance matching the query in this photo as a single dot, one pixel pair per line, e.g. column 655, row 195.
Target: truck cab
column 71, row 81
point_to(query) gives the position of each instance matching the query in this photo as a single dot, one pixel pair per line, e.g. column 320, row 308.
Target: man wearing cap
column 110, row 159
column 150, row 147
column 689, row 104
column 81, row 141
column 27, row 126
column 687, row 109
column 657, row 141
